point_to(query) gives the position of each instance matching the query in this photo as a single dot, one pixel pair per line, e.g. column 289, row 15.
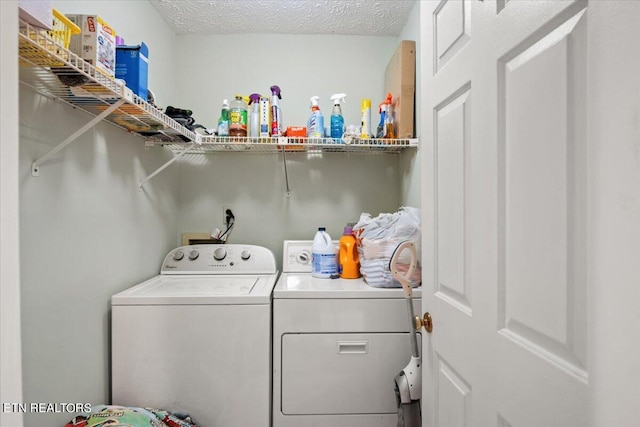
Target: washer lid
column 198, row 289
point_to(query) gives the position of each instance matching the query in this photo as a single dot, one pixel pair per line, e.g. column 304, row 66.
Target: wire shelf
column 49, row 68
column 212, row 144
column 54, row 71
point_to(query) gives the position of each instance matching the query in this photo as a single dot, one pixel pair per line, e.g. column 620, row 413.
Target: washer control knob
column 194, row 254
column 178, row 255
column 219, row 254
column 245, row 254
column 304, row 257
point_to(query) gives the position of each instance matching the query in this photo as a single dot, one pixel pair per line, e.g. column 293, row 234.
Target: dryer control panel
column 296, row 256
column 219, row 259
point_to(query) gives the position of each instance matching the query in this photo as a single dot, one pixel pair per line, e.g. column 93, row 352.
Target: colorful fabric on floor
column 120, row 416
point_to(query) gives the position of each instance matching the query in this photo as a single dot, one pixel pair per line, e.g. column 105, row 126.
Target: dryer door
column 342, row 373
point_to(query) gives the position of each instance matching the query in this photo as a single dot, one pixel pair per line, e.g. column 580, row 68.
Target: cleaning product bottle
column 389, row 127
column 276, row 112
column 366, row 118
column 337, row 121
column 254, row 118
column 265, row 115
column 315, row 124
column 385, row 127
column 383, row 112
column 348, row 260
column 323, row 255
column 238, row 117
column 223, row 121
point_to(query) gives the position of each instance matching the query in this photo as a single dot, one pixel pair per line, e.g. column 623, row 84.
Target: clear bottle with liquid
column 223, row 121
column 238, row 117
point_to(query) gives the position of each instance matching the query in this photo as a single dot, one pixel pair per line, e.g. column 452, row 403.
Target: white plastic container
column 324, row 256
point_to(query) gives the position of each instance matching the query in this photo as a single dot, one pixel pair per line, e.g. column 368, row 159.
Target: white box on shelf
column 96, row 44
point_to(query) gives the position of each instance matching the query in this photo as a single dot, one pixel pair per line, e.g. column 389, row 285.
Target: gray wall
column 10, row 340
column 326, row 190
column 86, row 232
column 410, row 160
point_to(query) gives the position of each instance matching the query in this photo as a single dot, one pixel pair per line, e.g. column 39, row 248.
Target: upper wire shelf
column 54, row 71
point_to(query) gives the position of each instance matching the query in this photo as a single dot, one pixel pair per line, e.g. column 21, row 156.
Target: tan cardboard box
column 400, row 81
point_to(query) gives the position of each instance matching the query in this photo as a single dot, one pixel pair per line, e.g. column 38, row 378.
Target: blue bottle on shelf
column 337, row 121
column 315, row 124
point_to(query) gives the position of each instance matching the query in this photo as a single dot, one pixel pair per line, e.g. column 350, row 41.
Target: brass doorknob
column 425, row 321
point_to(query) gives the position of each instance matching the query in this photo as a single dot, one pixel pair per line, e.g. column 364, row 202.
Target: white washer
column 337, row 346
column 197, row 337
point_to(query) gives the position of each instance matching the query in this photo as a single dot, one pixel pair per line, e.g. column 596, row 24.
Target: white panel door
column 512, row 145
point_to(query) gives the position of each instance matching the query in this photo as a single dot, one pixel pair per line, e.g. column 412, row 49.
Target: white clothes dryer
column 338, row 344
column 197, row 337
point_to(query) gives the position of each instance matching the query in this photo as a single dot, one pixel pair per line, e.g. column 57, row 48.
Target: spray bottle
column 337, row 121
column 383, row 113
column 315, row 124
column 385, row 127
column 366, row 118
column 389, row 127
column 223, row 121
column 254, row 118
column 265, row 115
column 276, row 112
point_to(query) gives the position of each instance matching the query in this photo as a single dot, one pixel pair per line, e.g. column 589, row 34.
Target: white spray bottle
column 315, row 124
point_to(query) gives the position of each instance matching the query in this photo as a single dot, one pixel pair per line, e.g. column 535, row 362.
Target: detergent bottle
column 276, row 112
column 223, row 121
column 323, row 255
column 315, row 124
column 337, row 121
column 238, row 117
column 348, row 260
column 254, row 118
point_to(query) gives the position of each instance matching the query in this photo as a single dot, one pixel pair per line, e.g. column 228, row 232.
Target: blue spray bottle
column 315, row 124
column 337, row 121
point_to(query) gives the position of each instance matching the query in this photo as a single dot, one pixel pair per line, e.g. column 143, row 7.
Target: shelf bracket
column 163, row 167
column 286, row 174
column 35, row 166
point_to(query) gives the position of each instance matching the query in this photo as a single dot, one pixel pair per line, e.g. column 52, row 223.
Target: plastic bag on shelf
column 379, row 237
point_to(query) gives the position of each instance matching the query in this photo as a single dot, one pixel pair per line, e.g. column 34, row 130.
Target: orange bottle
column 348, row 259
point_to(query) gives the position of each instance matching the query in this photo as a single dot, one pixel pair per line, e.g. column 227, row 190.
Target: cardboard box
column 96, row 44
column 132, row 65
column 400, row 81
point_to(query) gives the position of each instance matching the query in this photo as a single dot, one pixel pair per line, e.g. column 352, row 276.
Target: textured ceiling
column 355, row 17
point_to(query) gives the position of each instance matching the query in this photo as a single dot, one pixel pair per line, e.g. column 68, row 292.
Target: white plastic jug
column 324, row 255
